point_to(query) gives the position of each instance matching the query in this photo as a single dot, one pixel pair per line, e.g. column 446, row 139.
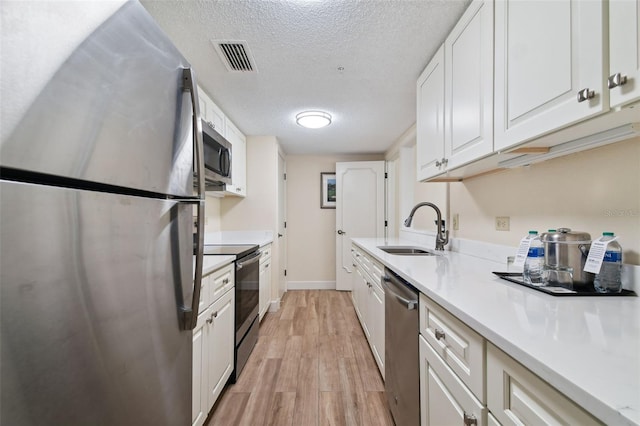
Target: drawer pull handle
column 616, row 80
column 470, row 420
column 215, row 314
column 210, row 320
column 585, row 94
column 439, row 334
column 225, row 281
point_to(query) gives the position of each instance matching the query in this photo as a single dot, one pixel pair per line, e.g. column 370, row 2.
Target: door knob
column 341, row 232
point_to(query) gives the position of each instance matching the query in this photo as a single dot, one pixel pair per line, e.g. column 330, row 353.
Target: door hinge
column 386, row 175
column 285, row 176
column 285, row 225
column 386, row 223
column 285, row 272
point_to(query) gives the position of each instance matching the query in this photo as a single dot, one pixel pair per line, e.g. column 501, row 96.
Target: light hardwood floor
column 311, row 366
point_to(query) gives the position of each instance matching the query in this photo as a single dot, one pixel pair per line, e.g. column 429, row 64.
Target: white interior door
column 282, row 219
column 359, row 211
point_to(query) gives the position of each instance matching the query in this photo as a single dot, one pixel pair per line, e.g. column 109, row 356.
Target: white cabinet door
column 624, row 50
column 430, row 119
column 210, row 113
column 469, row 86
column 516, row 396
column 264, row 280
column 376, row 306
column 444, row 399
column 238, row 185
column 361, row 296
column 359, row 211
column 199, row 401
column 220, row 345
column 545, row 54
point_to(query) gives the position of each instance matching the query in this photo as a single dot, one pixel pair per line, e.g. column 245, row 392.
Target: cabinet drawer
column 444, row 398
column 266, row 252
column 458, row 345
column 516, row 396
column 221, row 280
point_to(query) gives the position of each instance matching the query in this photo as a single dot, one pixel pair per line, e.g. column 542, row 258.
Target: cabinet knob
column 225, row 281
column 470, row 419
column 215, row 314
column 341, row 232
column 616, row 80
column 585, row 94
column 210, row 320
column 238, row 189
column 439, row 334
column 438, row 163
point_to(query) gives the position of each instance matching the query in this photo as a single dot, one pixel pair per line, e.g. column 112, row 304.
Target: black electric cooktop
column 235, row 250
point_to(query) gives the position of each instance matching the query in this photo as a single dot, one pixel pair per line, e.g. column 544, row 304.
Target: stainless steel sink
column 407, row 251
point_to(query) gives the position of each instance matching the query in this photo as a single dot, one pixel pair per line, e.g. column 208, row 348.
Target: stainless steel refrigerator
column 97, row 296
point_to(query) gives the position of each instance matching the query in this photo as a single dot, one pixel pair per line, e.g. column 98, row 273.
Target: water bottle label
column 597, row 254
column 523, row 251
column 536, row 252
column 612, row 256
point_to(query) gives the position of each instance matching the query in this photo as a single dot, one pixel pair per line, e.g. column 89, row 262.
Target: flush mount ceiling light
column 313, row 119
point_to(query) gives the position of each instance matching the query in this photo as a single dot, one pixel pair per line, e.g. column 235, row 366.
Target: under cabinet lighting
column 313, row 119
column 592, row 141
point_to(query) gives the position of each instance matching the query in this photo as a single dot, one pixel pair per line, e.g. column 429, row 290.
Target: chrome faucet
column 442, row 237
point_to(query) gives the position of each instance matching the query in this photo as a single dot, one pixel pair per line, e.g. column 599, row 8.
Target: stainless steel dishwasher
column 402, row 369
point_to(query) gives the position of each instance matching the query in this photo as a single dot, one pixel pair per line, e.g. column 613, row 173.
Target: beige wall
column 259, row 209
column 212, row 214
column 592, row 191
column 311, row 243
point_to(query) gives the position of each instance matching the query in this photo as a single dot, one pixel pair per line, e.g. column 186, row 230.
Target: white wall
column 592, row 191
column 311, row 242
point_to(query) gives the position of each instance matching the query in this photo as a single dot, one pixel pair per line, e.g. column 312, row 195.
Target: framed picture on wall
column 327, row 190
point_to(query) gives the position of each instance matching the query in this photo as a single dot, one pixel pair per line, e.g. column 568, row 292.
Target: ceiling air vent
column 235, row 55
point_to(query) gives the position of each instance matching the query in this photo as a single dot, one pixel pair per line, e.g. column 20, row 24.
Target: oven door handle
column 252, row 259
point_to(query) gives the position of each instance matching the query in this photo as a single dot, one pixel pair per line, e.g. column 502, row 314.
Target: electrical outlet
column 502, row 223
column 456, row 223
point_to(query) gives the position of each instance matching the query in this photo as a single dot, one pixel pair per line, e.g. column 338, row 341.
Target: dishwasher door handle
column 410, row 304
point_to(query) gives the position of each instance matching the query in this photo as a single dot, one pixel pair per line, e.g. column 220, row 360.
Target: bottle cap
column 533, row 232
column 608, row 234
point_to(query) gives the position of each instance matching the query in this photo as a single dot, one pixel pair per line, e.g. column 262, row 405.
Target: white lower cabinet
column 368, row 300
column 264, row 280
column 213, row 346
column 516, row 396
column 444, row 398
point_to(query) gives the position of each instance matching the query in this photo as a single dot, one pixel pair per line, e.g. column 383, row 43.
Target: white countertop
column 262, row 238
column 586, row 347
column 211, row 263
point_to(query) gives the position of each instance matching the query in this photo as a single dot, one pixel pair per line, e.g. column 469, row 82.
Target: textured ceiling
column 298, row 47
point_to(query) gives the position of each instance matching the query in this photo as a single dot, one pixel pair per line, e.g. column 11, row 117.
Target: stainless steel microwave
column 217, row 159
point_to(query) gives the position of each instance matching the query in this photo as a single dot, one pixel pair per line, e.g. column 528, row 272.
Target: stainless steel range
column 247, row 292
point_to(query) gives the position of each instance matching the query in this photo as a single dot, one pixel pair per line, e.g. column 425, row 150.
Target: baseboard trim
column 274, row 306
column 311, row 285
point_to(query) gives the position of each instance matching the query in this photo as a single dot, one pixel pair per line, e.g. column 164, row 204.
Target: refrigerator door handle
column 190, row 314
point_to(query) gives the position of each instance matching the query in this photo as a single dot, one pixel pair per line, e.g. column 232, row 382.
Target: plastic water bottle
column 609, row 280
column 533, row 266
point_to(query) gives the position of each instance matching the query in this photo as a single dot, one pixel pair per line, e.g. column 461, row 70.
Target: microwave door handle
column 226, row 163
column 190, row 314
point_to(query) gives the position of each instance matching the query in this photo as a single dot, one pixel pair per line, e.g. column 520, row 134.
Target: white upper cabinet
column 210, row 113
column 624, row 51
column 430, row 118
column 455, row 96
column 469, row 86
column 238, row 185
column 549, row 67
